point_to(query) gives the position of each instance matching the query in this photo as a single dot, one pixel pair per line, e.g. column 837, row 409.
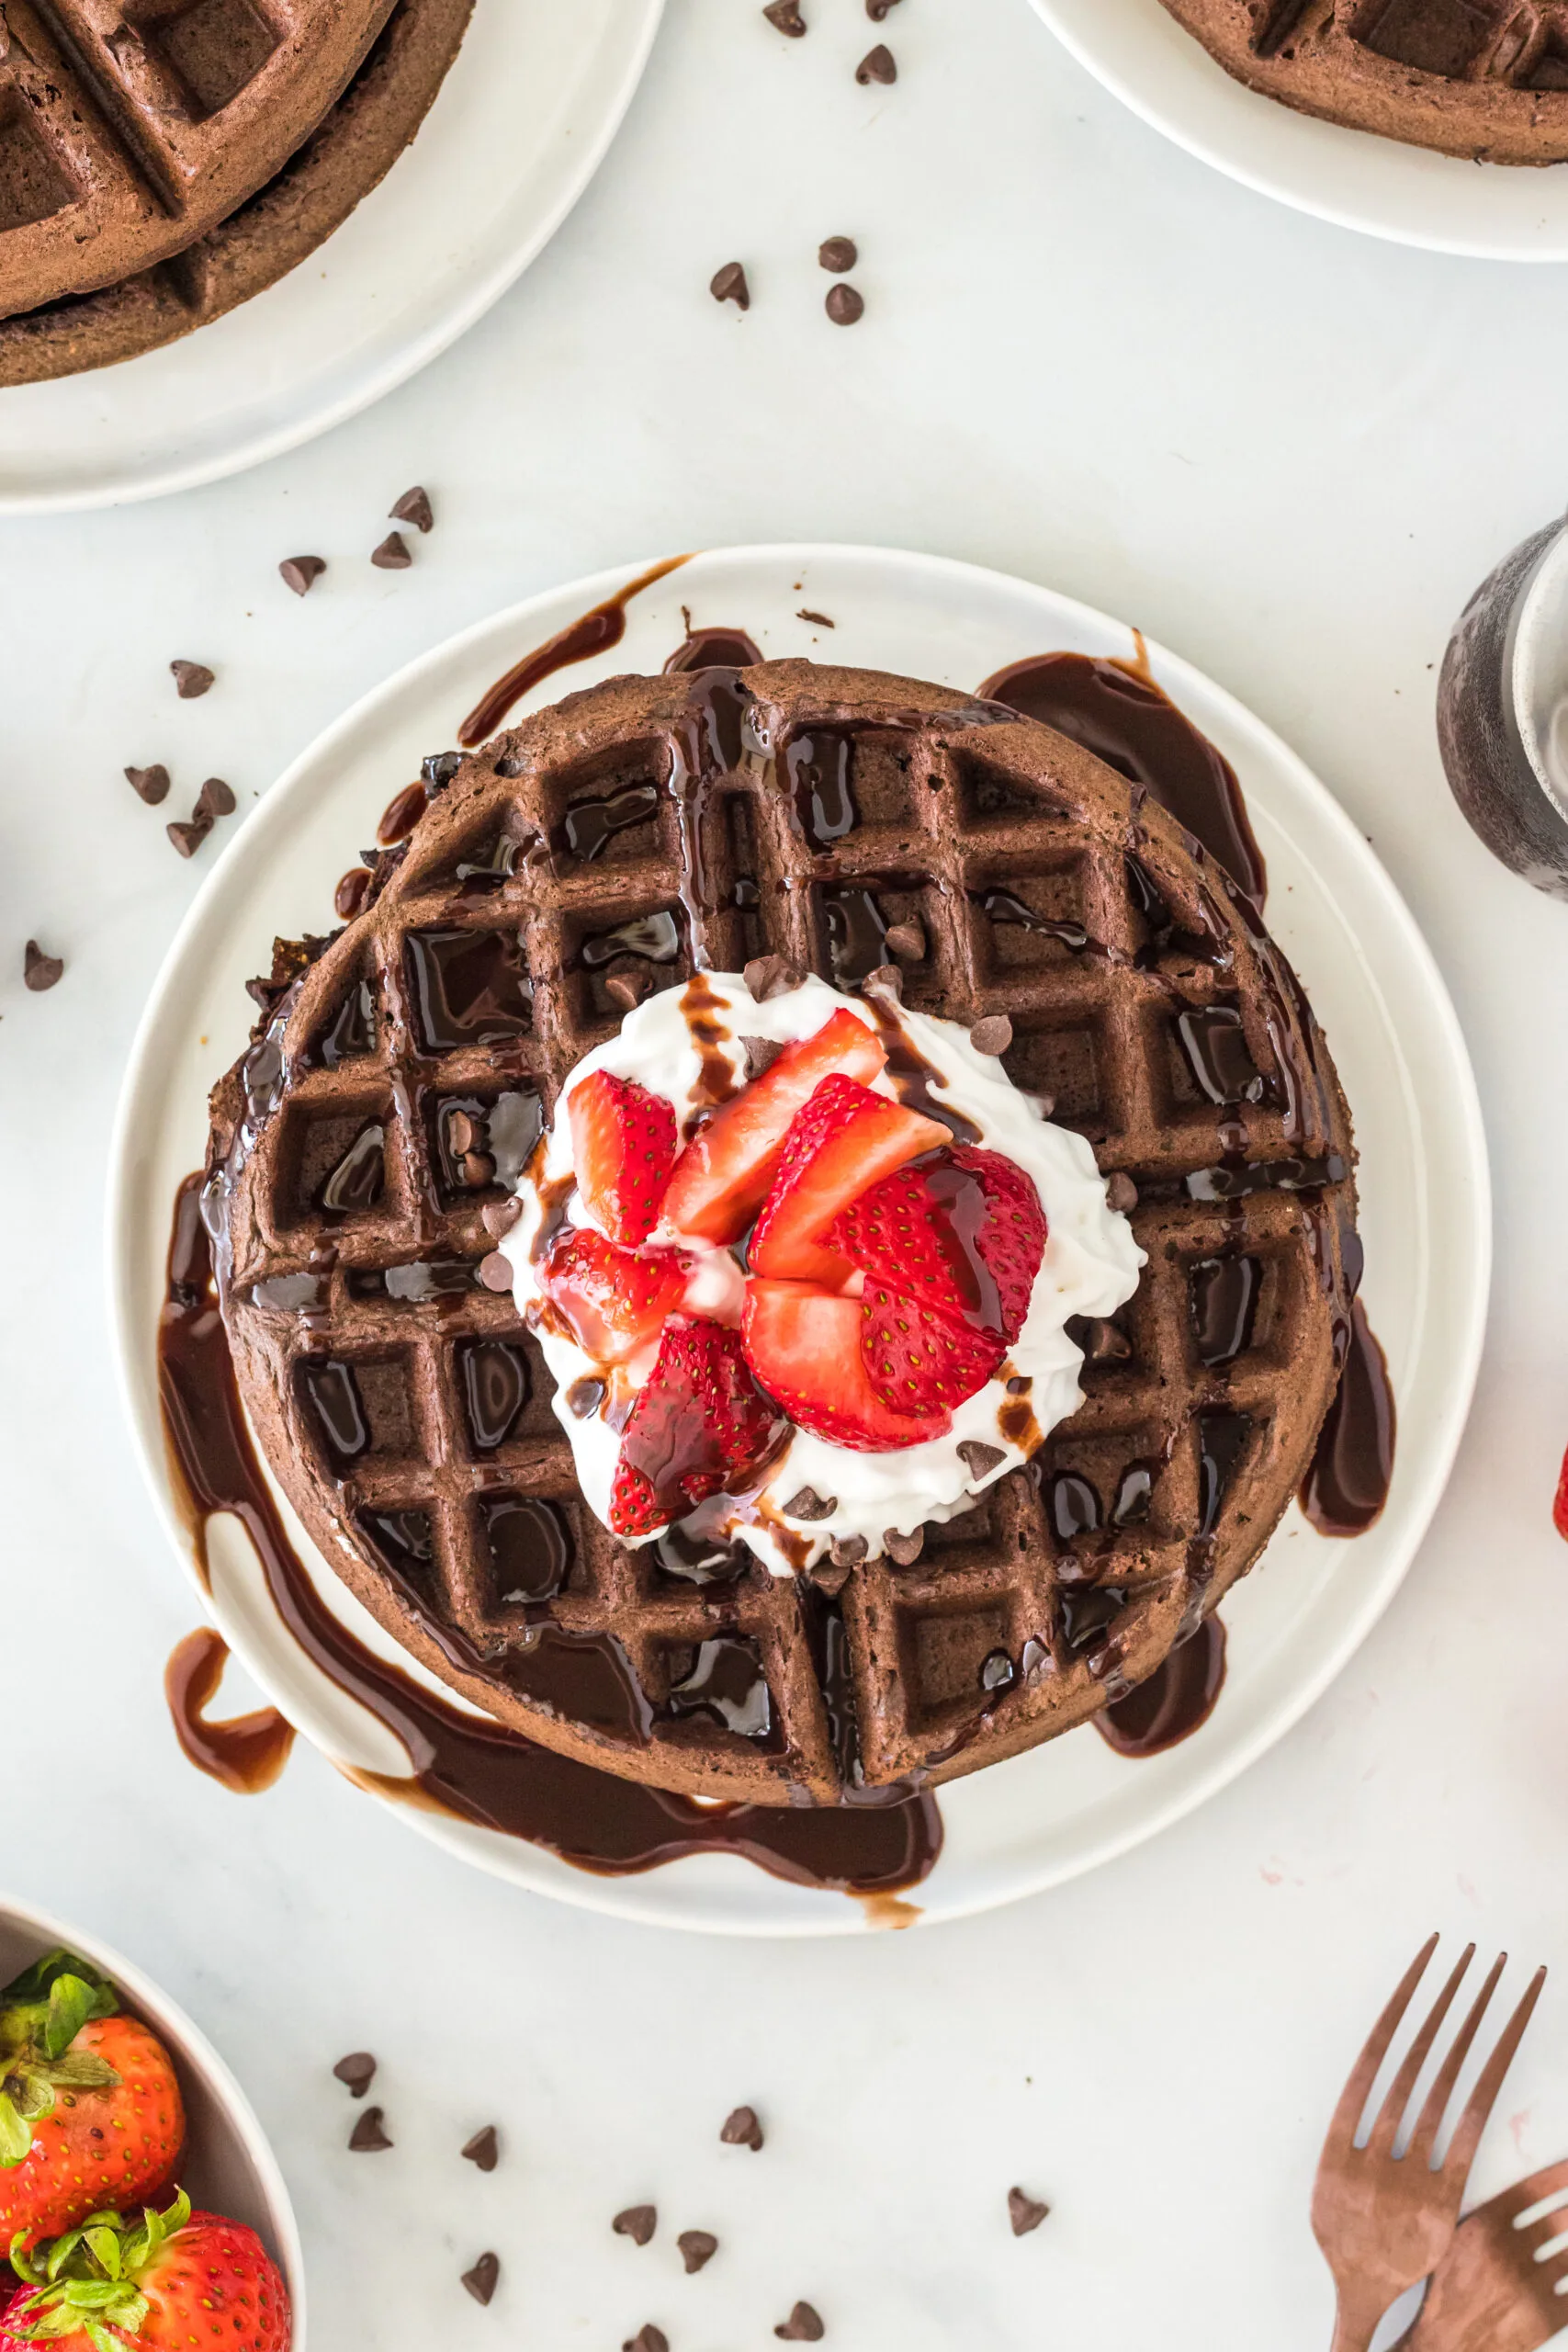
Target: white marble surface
column 1289, row 453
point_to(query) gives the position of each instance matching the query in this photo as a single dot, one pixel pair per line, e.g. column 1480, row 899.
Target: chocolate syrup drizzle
column 248, row 1752
column 594, row 632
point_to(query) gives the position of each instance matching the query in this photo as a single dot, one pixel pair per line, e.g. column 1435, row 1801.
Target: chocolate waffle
column 317, row 189
column 401, row 1071
column 1485, row 79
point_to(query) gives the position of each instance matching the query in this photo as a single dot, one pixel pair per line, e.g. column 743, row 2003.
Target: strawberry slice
column 700, row 1426
column 918, row 1360
column 842, row 1142
column 962, row 1235
column 622, row 1146
column 614, row 1300
column 722, row 1177
column 804, row 1345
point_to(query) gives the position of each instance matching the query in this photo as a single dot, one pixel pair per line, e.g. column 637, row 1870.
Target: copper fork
column 1496, row 2290
column 1384, row 2221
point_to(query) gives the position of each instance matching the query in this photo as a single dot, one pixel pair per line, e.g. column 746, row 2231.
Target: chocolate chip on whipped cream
column 767, row 977
column 761, row 1053
column 904, row 1550
column 847, row 1551
column 978, row 1458
column 808, row 1504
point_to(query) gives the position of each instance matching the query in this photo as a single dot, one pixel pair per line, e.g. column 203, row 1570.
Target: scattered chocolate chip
column 838, row 254
column 785, row 18
column 728, row 285
column 302, row 572
column 638, row 2223
column 188, row 837
column 484, row 2149
column 992, row 1036
column 768, row 976
column 1025, row 2213
column 808, row 1504
column 648, row 2340
column 626, row 989
column 845, row 306
column 762, row 1052
column 906, row 942
column 41, row 971
column 357, row 2070
column 742, row 2129
column 803, row 2327
column 697, row 2248
column 496, row 1271
column 351, row 892
column 1121, row 1193
column 215, row 799
column 498, row 1217
column 829, row 1578
column 879, row 10
column 392, row 555
column 414, row 507
column 191, row 679
column 820, row 619
column 483, row 2278
column 847, row 1550
column 876, row 65
column 367, row 2137
column 151, row 785
column 978, row 1458
column 1101, row 1342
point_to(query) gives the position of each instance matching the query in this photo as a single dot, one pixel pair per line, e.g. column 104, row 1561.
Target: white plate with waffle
column 1354, row 178
column 1045, row 1818
column 517, row 131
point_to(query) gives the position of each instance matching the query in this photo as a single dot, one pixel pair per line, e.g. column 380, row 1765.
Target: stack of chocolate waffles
column 365, row 1148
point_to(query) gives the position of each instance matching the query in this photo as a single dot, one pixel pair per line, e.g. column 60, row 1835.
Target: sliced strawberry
column 842, row 1142
column 622, row 1146
column 614, row 1300
column 700, row 1426
column 918, row 1360
column 804, row 1347
column 962, row 1233
column 722, row 1177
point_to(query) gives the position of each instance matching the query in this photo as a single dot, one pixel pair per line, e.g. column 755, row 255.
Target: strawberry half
column 804, row 1346
column 174, row 2277
column 623, row 1147
column 842, row 1142
column 961, row 1234
column 918, row 1360
column 722, row 1177
column 701, row 1425
column 615, row 1300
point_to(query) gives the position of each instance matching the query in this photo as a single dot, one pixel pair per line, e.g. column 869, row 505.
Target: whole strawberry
column 90, row 2111
column 174, row 2277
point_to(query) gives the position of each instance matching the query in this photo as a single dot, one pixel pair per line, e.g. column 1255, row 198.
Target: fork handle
column 1356, row 2321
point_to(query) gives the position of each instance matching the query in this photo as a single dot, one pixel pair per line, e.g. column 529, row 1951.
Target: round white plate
column 521, row 124
column 1043, row 1817
column 1496, row 211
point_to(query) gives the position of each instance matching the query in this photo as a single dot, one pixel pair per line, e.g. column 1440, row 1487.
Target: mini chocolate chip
column 352, row 891
column 188, row 837
column 1020, row 1385
column 357, row 2070
column 626, row 989
column 697, row 2248
column 498, row 1217
column 638, row 2223
column 1103, row 1343
column 483, row 2149
column 483, row 2278
column 1025, row 2213
column 906, row 942
column 392, row 555
column 742, row 2129
column 648, row 2340
column 461, row 1132
column 477, row 1169
column 878, row 10
column 978, row 1458
column 496, row 1271
column 847, row 1550
column 39, row 971
column 762, row 1052
column 215, row 799
column 151, row 785
column 838, row 254
column 768, row 976
column 302, row 572
column 829, row 1578
column 1121, row 1193
column 367, row 2137
column 414, row 507
column 845, row 306
column 728, row 285
column 803, row 2327
column 808, row 1504
column 191, row 679
column 992, row 1036
column 785, row 18
column 904, row 1550
column 821, row 620
column 886, row 981
column 876, row 65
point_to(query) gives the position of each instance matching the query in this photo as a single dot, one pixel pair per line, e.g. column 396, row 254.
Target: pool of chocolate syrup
column 246, row 1753
column 1176, row 1700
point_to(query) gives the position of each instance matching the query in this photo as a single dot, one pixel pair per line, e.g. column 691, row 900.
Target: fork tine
column 1550, row 2182
column 1386, row 2123
column 1363, row 2074
column 1483, row 2097
column 1429, row 2123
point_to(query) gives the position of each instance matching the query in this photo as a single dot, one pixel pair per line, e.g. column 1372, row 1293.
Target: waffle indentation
column 33, row 185
column 211, row 48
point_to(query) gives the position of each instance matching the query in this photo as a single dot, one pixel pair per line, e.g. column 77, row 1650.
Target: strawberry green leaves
column 42, row 2013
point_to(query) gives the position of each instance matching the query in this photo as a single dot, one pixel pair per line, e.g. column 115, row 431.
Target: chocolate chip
column 1103, row 1342
column 1020, row 1385
column 762, row 1052
column 838, row 254
column 1121, row 1193
column 845, row 306
column 829, row 1578
column 498, row 1217
column 39, row 971
column 626, row 989
column 483, row 2149
column 461, row 1132
column 187, row 837
column 496, row 1271
column 904, row 1550
column 878, row 10
column 215, row 799
column 847, row 1550
column 352, row 889
column 367, row 2138
column 785, row 18
column 638, row 2223
column 768, row 976
column 151, row 785
column 477, row 1169
column 820, row 619
column 414, row 507
column 907, row 940
column 728, row 285
column 482, row 2279
column 648, row 2340
column 697, row 2248
column 1025, row 2213
column 191, row 679
column 742, row 2129
column 803, row 2327
column 357, row 2070
column 992, row 1036
column 392, row 555
column 876, row 65
column 886, row 981
column 808, row 1504
column 979, row 1459
column 302, row 572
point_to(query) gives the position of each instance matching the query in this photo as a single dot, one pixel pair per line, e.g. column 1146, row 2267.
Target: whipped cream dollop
column 671, row 1044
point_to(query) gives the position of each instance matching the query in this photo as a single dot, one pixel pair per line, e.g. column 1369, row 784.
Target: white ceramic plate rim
column 461, row 303
column 1464, row 1299
column 1354, row 179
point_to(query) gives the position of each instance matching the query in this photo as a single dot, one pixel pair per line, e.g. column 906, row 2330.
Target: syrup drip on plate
column 594, row 632
column 248, row 1752
column 1178, row 1699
